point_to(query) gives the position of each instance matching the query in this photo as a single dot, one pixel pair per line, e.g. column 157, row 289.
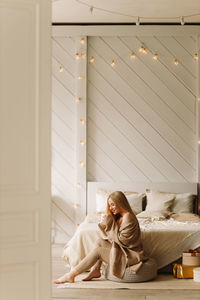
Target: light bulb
column 196, row 57
column 144, row 50
column 182, row 21
column 82, row 142
column 82, row 41
column 81, row 164
column 76, row 205
column 78, row 185
column 77, row 56
column 91, row 59
column 141, row 49
column 80, row 77
column 82, row 121
column 155, row 57
column 112, row 63
column 199, row 99
column 82, row 55
column 137, row 21
column 176, row 61
column 132, row 55
column 198, row 141
column 61, row 69
column 78, row 99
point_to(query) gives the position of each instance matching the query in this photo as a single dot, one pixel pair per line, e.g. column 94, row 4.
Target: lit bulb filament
column 82, row 121
column 176, row 61
column 113, row 63
column 80, row 77
column 77, row 56
column 196, row 57
column 81, row 164
column 78, row 99
column 78, row 185
column 82, row 41
column 92, row 59
column 76, row 205
column 82, row 55
column 155, row 57
column 132, row 55
column 82, row 142
column 60, row 69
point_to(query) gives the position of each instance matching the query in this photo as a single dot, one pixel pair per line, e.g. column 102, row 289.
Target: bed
column 164, row 236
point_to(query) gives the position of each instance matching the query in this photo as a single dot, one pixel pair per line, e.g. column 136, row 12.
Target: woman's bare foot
column 95, row 273
column 67, row 277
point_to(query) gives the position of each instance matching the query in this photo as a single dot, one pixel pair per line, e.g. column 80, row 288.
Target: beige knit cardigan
column 126, row 249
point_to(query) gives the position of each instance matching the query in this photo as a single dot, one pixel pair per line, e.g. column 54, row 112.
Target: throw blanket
column 126, row 245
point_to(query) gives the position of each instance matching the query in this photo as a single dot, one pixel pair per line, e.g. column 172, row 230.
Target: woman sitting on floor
column 121, row 247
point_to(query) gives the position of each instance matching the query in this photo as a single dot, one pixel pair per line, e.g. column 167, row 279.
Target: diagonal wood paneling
column 142, row 111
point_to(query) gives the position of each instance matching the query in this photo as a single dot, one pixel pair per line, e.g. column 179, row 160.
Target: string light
column 61, row 69
column 82, row 142
column 113, row 12
column 112, row 63
column 77, row 56
column 198, row 141
column 82, row 55
column 155, row 57
column 82, row 121
column 76, row 205
column 132, row 55
column 176, row 61
column 199, row 99
column 143, row 49
column 78, row 99
column 81, row 164
column 137, row 21
column 182, row 21
column 80, row 77
column 91, row 9
column 91, row 59
column 196, row 57
column 78, row 185
column 82, row 41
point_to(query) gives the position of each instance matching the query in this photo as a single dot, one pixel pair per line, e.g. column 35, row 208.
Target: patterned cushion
column 147, row 272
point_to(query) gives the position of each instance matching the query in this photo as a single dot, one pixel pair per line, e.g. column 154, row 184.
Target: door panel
column 25, row 97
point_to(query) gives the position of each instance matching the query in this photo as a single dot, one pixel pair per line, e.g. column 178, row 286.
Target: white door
column 25, row 81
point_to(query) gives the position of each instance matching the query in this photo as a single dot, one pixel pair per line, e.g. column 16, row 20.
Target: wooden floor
column 165, row 287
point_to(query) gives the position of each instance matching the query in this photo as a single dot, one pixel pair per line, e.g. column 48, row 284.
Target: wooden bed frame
column 93, row 187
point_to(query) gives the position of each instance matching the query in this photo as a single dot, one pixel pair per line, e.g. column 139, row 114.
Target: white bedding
column 163, row 240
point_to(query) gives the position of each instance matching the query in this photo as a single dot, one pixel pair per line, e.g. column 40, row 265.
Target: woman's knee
column 99, row 242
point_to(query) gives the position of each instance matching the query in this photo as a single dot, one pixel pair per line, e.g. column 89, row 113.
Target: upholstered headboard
column 93, row 187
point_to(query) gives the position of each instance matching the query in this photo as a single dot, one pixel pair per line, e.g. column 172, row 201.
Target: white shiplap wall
column 141, row 112
column 63, row 139
column 140, row 116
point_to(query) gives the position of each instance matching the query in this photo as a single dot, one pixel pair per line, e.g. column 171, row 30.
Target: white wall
column 141, row 116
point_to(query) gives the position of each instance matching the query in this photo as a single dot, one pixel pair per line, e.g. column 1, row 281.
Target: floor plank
column 165, row 287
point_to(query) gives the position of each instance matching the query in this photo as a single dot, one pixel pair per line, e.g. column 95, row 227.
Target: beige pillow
column 186, row 217
column 135, row 200
column 183, row 203
column 157, row 201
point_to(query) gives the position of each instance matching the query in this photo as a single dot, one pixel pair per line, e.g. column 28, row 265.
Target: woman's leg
column 97, row 255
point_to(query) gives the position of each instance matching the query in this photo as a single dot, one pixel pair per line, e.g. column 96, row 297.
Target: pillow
column 153, row 215
column 186, row 217
column 183, row 203
column 157, row 201
column 134, row 199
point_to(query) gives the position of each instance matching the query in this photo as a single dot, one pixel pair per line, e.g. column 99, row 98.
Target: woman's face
column 113, row 208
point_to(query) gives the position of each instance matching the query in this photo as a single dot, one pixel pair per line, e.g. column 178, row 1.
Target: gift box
column 191, row 258
column 181, row 271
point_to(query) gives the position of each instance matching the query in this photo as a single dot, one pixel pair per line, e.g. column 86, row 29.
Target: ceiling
column 125, row 11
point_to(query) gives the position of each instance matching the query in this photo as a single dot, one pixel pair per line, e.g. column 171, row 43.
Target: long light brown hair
column 121, row 202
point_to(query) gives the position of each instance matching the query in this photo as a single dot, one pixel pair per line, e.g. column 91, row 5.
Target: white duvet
column 163, row 240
